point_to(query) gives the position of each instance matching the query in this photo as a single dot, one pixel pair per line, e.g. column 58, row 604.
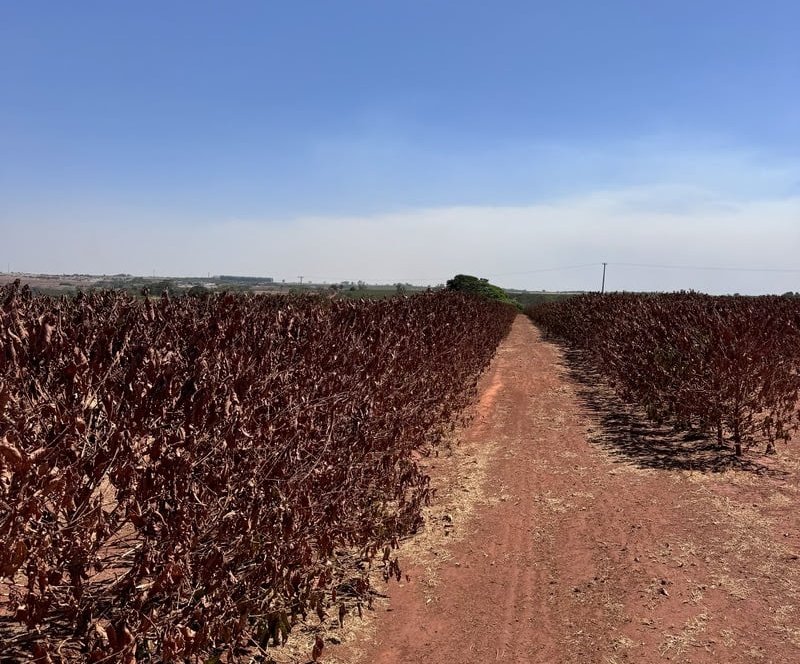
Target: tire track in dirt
column 577, row 554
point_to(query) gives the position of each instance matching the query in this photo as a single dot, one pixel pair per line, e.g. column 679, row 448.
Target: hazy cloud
column 655, row 225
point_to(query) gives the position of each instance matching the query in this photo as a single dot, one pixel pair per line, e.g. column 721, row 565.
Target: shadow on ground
column 627, row 434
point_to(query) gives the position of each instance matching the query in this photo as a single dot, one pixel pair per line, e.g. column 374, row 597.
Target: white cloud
column 659, row 225
column 654, row 201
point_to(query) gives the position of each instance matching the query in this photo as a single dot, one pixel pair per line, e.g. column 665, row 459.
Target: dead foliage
column 189, row 477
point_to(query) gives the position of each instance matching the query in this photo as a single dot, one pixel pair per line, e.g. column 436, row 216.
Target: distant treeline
column 532, row 299
column 227, row 278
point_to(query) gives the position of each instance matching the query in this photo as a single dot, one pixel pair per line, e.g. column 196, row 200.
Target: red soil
column 597, row 539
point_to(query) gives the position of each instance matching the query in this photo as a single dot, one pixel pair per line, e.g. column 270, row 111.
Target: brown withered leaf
column 319, row 646
column 13, row 456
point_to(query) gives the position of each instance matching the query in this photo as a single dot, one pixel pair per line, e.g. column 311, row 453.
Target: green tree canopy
column 466, row 283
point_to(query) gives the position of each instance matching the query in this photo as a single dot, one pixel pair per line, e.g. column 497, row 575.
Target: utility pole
column 301, row 280
column 603, row 286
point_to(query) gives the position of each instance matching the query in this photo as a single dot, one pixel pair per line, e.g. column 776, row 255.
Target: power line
column 492, row 275
column 546, row 269
column 563, row 268
column 708, row 268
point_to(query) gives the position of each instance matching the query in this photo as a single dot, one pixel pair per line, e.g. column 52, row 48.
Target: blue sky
column 364, row 120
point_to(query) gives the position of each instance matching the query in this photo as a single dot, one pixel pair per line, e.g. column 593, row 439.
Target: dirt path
column 583, row 536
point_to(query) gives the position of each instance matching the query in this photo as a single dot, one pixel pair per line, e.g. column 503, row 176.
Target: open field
column 69, row 284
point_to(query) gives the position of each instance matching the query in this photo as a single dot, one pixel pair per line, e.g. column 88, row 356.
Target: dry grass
column 676, row 645
column 459, row 474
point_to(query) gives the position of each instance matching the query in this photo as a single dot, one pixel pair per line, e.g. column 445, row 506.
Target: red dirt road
column 591, row 538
